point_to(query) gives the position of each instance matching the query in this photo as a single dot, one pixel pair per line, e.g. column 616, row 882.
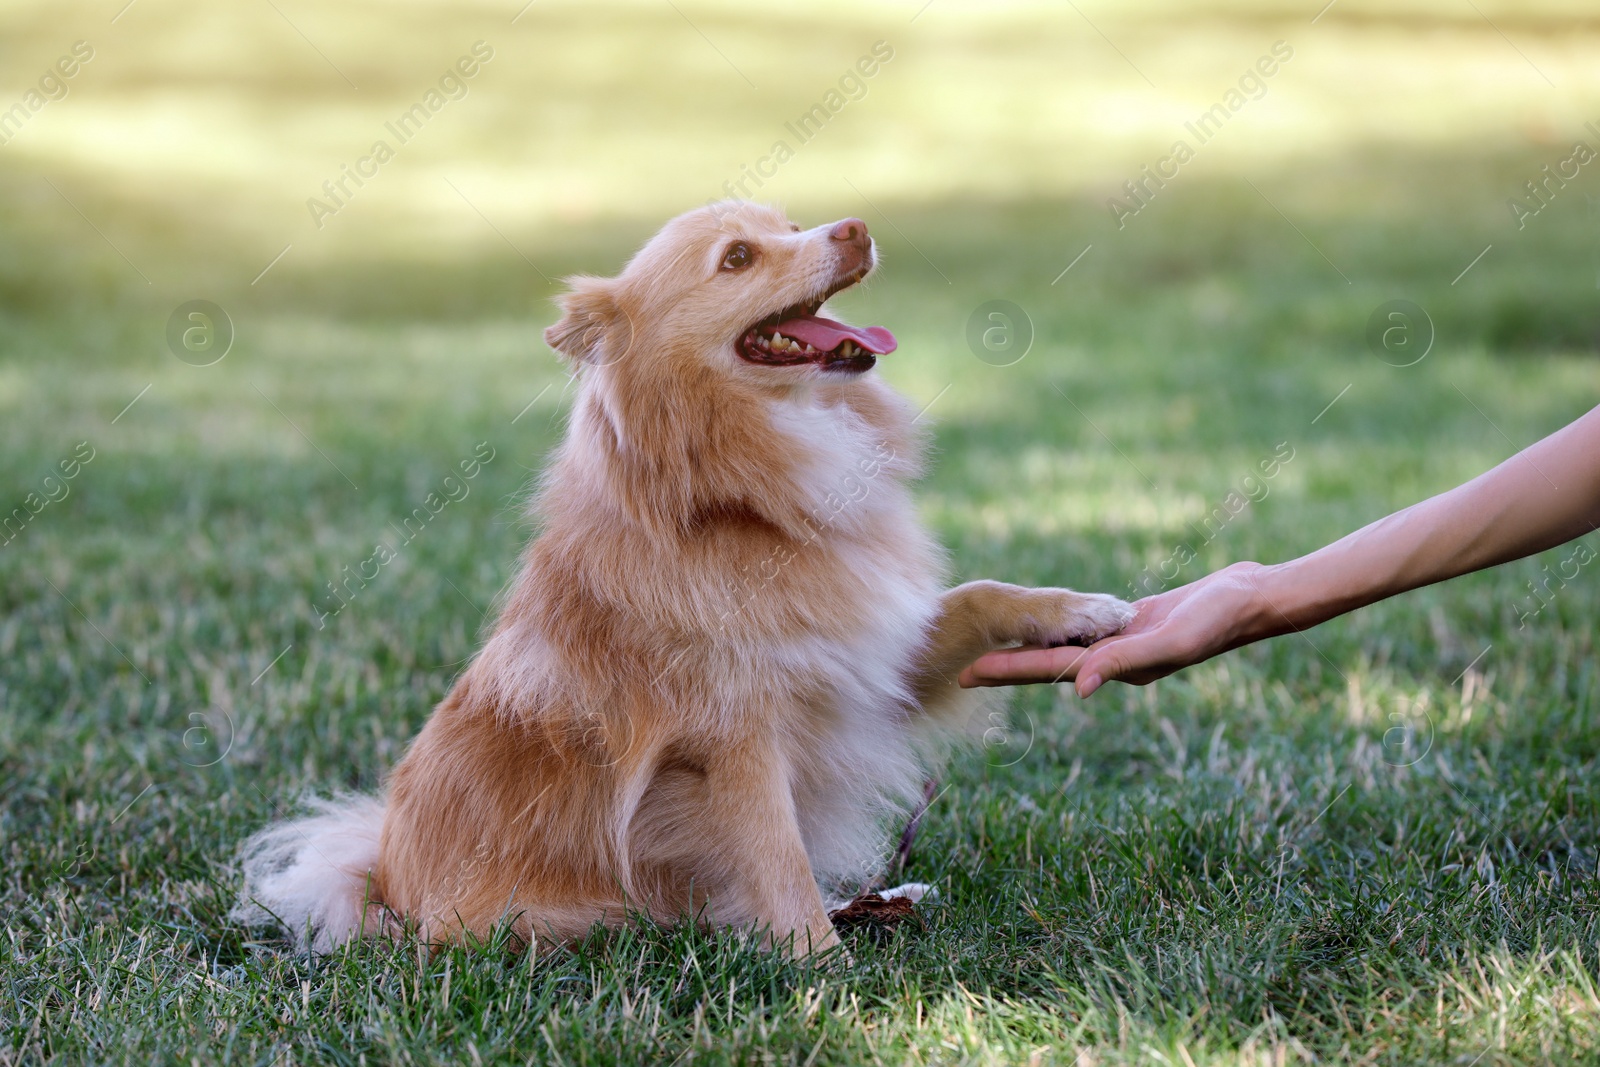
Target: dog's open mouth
column 797, row 335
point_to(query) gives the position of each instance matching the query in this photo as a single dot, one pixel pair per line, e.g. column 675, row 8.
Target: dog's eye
column 738, row 256
column 794, row 227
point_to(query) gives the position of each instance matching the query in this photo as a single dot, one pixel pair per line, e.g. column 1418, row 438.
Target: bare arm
column 1547, row 494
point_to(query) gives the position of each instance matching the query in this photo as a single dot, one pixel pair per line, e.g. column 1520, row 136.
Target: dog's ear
column 591, row 323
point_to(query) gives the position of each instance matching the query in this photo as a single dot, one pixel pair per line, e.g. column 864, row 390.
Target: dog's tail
column 312, row 875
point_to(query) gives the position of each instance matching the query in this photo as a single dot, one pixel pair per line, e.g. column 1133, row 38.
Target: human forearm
column 1545, row 495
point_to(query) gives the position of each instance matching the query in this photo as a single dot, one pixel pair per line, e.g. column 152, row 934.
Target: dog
column 728, row 657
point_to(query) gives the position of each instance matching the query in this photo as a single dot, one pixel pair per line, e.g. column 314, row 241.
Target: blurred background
column 1167, row 337
column 169, row 648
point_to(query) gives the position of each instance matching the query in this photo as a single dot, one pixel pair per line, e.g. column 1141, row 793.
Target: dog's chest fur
column 829, row 629
column 867, row 573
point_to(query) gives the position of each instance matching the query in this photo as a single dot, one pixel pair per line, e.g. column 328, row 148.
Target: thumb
column 1106, row 661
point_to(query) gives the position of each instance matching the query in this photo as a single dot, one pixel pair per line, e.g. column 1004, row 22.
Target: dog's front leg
column 766, row 875
column 982, row 616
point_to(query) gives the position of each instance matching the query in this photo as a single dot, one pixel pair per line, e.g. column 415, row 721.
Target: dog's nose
column 852, row 230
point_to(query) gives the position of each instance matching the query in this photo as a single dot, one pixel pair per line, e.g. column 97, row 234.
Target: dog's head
column 734, row 285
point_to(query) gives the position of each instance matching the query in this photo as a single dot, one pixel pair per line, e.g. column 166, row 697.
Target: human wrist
column 1299, row 594
column 1264, row 614
column 1286, row 597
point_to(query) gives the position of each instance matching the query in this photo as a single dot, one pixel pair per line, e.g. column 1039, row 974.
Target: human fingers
column 1136, row 659
column 1023, row 666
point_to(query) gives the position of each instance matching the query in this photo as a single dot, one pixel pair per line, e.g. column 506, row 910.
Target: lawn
column 1373, row 843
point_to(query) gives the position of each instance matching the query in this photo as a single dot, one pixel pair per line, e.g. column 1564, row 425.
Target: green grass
column 1373, row 844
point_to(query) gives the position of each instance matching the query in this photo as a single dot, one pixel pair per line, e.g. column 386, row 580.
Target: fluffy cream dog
column 726, row 659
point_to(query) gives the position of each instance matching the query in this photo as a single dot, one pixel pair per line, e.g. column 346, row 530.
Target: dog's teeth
column 810, row 351
column 779, row 341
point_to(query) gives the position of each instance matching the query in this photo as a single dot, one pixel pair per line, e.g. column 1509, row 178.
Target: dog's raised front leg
column 982, row 616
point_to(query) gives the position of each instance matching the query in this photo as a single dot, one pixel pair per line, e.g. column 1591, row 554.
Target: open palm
column 1169, row 631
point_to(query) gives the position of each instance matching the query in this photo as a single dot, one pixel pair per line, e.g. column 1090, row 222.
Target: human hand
column 1169, row 631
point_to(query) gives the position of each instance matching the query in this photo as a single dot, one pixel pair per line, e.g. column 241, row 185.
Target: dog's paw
column 1063, row 617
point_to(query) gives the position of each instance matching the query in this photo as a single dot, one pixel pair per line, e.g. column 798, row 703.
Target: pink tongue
column 825, row 334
